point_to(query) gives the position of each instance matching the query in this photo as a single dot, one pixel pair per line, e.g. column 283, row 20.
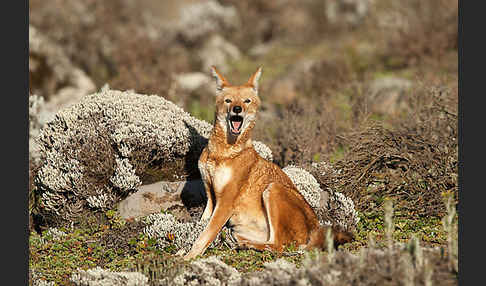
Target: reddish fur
column 253, row 195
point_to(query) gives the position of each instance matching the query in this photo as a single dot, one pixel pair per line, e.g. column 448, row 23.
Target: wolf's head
column 236, row 106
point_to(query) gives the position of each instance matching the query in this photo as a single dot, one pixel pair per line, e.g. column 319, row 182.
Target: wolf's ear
column 253, row 81
column 220, row 80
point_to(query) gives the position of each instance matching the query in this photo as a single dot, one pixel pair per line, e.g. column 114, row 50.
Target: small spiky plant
column 330, row 246
column 451, row 230
column 389, row 227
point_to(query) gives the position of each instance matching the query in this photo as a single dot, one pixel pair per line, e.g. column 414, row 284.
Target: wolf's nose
column 237, row 109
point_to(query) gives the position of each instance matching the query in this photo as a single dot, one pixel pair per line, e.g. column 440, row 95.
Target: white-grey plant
column 101, row 277
column 52, row 202
column 55, row 233
column 206, row 271
column 389, row 226
column 101, row 201
column 342, row 207
column 37, row 280
column 428, row 272
column 40, row 282
column 330, row 246
column 344, row 211
column 278, row 272
column 305, row 183
column 160, row 226
column 408, row 270
column 124, row 176
column 416, row 251
column 452, row 232
column 263, row 150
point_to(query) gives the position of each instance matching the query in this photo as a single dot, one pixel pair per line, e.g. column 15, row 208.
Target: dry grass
column 300, row 133
column 413, row 162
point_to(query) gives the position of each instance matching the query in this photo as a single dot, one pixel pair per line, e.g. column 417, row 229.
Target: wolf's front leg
column 208, row 210
column 220, row 216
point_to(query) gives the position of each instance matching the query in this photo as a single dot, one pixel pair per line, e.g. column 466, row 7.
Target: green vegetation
column 55, row 258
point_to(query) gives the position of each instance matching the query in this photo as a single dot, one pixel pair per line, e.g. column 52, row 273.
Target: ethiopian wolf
column 246, row 192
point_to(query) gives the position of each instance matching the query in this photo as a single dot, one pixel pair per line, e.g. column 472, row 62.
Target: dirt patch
column 119, row 238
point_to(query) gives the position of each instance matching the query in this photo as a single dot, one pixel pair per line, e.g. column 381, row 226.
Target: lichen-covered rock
column 101, row 277
column 110, row 143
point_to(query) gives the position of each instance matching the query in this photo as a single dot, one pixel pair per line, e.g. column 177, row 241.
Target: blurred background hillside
column 333, row 70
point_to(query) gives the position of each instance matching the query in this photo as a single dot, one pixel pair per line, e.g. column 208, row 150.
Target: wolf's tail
column 318, row 237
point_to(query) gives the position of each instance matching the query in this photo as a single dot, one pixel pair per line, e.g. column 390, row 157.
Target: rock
column 218, row 52
column 286, row 88
column 200, row 19
column 162, row 195
column 53, row 75
column 38, row 116
column 350, row 12
column 387, row 95
column 193, row 81
column 260, row 49
column 104, row 147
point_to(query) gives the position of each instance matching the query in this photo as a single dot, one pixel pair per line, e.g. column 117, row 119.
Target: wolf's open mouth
column 236, row 122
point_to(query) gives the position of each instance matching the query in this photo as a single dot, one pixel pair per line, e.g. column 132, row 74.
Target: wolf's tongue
column 236, row 125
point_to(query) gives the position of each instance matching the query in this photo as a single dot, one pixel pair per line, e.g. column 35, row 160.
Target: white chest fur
column 218, row 175
column 222, row 175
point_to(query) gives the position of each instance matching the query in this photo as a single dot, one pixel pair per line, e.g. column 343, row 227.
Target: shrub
column 414, row 162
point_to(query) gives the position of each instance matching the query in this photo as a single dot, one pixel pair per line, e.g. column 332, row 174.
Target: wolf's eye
column 227, row 100
column 247, row 100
